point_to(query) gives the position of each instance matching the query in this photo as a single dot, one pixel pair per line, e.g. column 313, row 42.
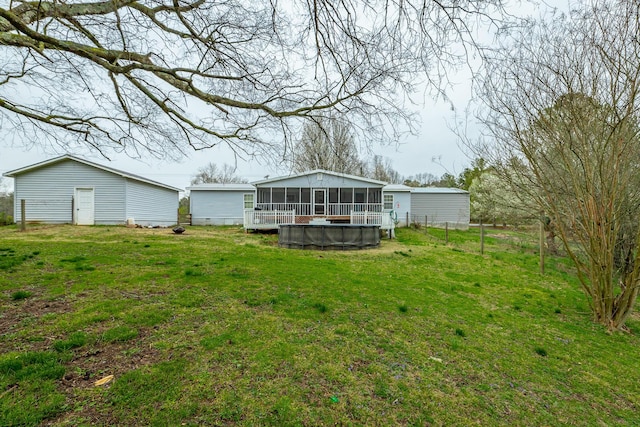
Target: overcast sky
column 410, row 156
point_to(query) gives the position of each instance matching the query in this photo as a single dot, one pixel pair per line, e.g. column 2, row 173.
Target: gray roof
column 222, row 187
column 340, row 175
column 396, row 187
column 123, row 174
column 438, row 190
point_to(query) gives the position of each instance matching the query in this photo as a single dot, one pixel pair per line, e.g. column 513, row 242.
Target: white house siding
column 217, row 207
column 48, row 193
column 401, row 205
column 150, row 205
column 440, row 208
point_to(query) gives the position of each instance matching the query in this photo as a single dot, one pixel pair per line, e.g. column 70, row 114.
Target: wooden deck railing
column 264, row 220
column 257, row 220
column 331, row 209
column 383, row 219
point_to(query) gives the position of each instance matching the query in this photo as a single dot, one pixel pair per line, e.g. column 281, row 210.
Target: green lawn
column 219, row 327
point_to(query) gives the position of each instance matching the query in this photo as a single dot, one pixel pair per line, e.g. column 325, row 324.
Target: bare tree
column 422, row 179
column 160, row 77
column 329, row 144
column 562, row 105
column 211, row 173
column 380, row 168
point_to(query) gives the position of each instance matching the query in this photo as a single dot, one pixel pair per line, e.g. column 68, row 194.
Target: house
column 321, row 196
column 220, row 204
column 320, row 193
column 69, row 189
column 317, row 195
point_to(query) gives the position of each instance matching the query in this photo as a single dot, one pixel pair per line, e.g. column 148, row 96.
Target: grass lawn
column 218, row 327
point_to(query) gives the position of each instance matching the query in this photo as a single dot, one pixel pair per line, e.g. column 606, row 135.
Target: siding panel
column 151, row 205
column 403, row 199
column 441, row 208
column 217, row 207
column 48, row 193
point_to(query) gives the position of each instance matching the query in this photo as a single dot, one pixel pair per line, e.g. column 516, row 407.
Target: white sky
column 413, row 155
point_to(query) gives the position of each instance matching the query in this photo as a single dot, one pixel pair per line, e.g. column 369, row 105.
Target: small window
column 248, row 201
column 388, row 201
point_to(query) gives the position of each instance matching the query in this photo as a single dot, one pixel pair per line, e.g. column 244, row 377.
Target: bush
column 5, row 219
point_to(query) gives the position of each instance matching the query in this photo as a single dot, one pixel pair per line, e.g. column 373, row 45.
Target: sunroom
column 316, row 195
column 331, row 201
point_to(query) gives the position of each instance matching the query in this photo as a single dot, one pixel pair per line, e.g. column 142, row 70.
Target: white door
column 84, row 206
column 319, row 202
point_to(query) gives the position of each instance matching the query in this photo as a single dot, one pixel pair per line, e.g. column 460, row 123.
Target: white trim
column 314, row 204
column 221, row 187
column 76, row 207
column 244, row 200
column 384, row 202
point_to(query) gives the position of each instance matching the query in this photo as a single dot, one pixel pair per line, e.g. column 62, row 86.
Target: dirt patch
column 102, row 359
column 89, row 363
column 96, row 362
column 16, row 313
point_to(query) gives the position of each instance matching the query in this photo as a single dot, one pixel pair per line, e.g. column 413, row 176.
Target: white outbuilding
column 72, row 190
column 438, row 207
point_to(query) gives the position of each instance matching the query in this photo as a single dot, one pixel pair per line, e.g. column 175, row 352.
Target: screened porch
column 332, row 202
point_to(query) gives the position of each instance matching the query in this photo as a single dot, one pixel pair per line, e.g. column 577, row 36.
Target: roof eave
column 13, row 173
column 315, row 171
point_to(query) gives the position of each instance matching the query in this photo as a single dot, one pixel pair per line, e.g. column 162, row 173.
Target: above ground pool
column 328, row 236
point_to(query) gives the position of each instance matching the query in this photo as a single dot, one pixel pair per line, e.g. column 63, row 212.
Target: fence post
column 407, row 219
column 446, row 232
column 23, row 215
column 481, row 237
